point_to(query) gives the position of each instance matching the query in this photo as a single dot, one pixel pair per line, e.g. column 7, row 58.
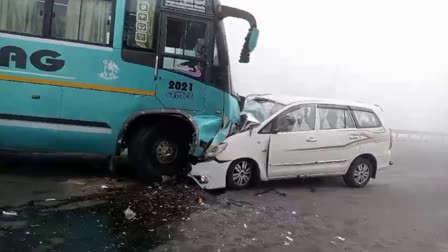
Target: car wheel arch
column 255, row 179
column 372, row 160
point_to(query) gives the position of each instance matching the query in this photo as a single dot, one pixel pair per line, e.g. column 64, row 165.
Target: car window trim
column 286, row 109
column 351, row 118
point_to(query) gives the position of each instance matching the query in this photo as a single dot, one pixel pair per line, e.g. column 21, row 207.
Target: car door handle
column 311, row 140
column 354, row 137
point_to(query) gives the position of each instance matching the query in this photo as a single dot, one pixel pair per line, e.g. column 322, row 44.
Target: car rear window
column 367, row 119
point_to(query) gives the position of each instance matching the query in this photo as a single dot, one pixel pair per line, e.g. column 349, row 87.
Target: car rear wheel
column 241, row 174
column 359, row 173
column 157, row 150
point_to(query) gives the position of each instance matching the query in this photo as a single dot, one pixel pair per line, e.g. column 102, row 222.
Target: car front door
column 293, row 142
column 337, row 137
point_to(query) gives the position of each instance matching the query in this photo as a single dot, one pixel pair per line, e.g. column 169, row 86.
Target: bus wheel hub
column 166, row 152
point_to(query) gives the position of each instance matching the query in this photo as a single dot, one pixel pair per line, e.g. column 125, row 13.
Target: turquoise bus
column 103, row 76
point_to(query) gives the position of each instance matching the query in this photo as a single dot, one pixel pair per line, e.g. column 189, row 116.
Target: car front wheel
column 241, row 174
column 359, row 173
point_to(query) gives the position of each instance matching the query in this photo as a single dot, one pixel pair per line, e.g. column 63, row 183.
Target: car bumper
column 385, row 161
column 210, row 175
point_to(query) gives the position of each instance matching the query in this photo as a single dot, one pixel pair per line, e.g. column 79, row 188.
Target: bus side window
column 139, row 28
column 185, row 48
column 22, row 16
column 82, row 20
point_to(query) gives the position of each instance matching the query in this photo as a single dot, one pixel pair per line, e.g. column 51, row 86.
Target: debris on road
column 104, row 187
column 271, row 190
column 76, row 182
column 166, row 179
column 245, row 226
column 289, row 233
column 129, row 214
column 9, row 213
column 286, row 243
column 294, row 213
column 333, row 242
column 51, row 199
column 289, row 238
column 340, row 238
column 200, row 201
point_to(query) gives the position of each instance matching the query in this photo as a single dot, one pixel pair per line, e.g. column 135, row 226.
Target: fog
column 388, row 52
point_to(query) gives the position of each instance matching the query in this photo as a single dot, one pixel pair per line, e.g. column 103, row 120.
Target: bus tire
column 158, row 150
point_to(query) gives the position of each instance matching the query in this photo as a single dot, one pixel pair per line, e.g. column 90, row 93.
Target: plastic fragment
column 129, row 214
column 9, row 213
column 341, row 238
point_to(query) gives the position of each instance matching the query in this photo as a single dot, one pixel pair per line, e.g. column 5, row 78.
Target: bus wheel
column 158, row 150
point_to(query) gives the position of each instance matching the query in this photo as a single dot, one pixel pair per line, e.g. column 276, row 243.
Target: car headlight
column 213, row 151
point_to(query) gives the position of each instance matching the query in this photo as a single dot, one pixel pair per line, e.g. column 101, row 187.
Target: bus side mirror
column 249, row 44
column 253, row 40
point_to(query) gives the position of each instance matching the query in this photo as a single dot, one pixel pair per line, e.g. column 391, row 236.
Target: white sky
column 389, row 52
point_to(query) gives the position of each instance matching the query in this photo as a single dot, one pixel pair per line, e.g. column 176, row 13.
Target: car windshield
column 261, row 108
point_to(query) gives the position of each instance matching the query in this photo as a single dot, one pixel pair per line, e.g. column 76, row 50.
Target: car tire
column 158, row 150
column 241, row 174
column 359, row 173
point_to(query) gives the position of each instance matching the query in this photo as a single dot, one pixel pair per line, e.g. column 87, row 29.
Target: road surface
column 62, row 204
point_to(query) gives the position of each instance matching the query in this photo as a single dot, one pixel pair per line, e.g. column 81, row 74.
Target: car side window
column 335, row 118
column 297, row 119
column 366, row 119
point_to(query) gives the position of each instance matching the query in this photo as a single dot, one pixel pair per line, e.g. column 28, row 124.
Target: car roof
column 289, row 100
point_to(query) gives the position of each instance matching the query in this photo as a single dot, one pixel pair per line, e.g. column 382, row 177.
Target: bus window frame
column 47, row 22
column 224, row 81
column 156, row 30
column 209, row 42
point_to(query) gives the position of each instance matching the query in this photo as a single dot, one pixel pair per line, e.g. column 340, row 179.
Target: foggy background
column 393, row 53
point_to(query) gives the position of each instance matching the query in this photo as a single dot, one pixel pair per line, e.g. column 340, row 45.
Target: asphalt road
column 404, row 209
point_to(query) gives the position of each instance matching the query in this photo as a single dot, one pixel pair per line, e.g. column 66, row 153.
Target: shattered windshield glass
column 261, row 108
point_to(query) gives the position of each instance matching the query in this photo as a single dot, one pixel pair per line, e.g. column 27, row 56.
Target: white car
column 287, row 137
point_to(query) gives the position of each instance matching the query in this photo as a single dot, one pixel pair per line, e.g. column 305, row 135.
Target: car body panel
column 291, row 154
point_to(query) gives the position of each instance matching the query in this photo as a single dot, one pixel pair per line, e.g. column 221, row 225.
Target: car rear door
column 338, row 139
column 293, row 143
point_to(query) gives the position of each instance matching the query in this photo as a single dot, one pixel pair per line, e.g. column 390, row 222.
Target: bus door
column 185, row 51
